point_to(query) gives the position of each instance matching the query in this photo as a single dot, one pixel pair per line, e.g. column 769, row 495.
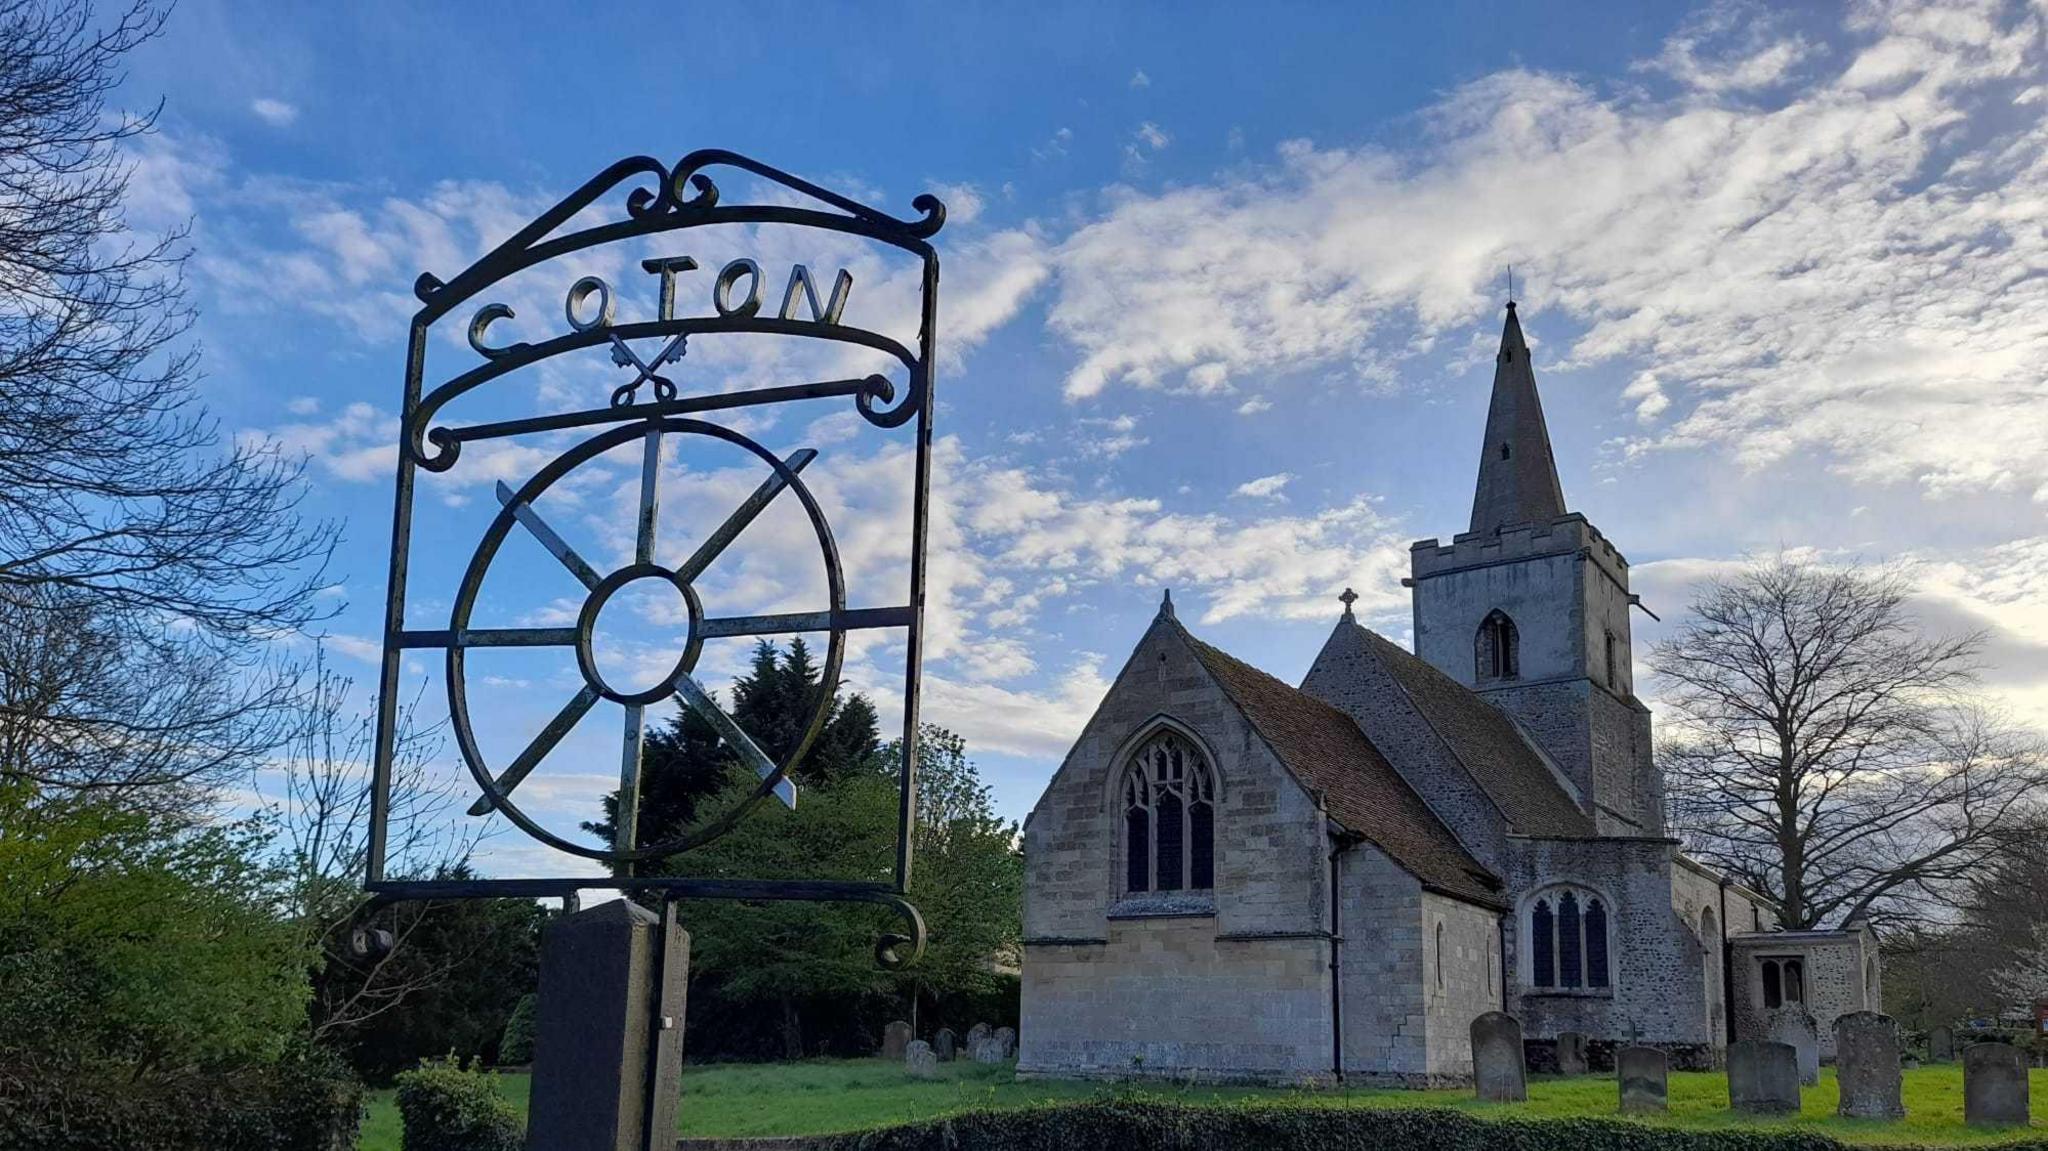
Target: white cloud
column 1140, row 80
column 1849, row 273
column 275, row 113
column 1254, row 406
column 1153, row 136
column 1271, row 487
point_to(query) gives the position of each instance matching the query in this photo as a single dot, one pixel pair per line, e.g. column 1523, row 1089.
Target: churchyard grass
column 820, row 1096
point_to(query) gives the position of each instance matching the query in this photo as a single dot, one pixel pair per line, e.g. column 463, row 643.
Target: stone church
column 1234, row 878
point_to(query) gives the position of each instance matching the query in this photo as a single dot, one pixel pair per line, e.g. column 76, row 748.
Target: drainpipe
column 1727, row 971
column 1336, row 968
column 1500, row 931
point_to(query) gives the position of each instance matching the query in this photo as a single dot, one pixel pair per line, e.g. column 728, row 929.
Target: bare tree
column 1823, row 751
column 114, row 483
column 323, row 812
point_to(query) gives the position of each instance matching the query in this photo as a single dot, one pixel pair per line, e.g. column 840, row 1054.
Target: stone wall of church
column 1461, row 980
column 1359, row 686
column 1380, row 917
column 1271, row 846
column 1171, row 998
column 1658, row 967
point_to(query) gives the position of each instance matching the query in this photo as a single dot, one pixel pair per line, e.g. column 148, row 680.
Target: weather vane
column 663, row 201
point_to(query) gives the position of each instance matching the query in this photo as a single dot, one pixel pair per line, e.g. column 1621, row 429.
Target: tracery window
column 1496, row 650
column 1568, row 943
column 1169, row 803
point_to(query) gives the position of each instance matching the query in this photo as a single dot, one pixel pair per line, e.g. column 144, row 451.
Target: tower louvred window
column 1496, row 649
column 1169, row 806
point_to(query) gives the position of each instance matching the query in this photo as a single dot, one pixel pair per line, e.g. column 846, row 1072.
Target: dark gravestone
column 1645, row 1076
column 1498, row 1073
column 1867, row 1066
column 1007, row 1036
column 592, row 1048
column 1941, row 1045
column 976, row 1034
column 895, row 1040
column 1763, row 1077
column 1793, row 1026
column 987, row 1049
column 919, row 1061
column 1571, row 1053
column 944, row 1046
column 1994, row 1085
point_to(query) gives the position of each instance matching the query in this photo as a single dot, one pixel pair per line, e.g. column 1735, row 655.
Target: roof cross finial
column 1511, row 285
column 1349, row 597
column 1166, row 603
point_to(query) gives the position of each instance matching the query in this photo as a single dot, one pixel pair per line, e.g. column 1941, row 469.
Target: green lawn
column 854, row 1094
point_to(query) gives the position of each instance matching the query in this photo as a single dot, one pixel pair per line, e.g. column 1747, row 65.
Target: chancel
column 1234, row 878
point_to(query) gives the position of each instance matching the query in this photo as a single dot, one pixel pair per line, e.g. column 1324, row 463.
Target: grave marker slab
column 895, row 1039
column 1941, row 1045
column 1867, row 1065
column 1571, row 1053
column 1995, row 1085
column 1794, row 1026
column 1763, row 1077
column 1645, row 1074
column 1499, row 1074
column 944, row 1045
column 1007, row 1036
column 919, row 1061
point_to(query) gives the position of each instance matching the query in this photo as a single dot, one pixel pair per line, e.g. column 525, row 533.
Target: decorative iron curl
column 688, row 171
column 894, row 952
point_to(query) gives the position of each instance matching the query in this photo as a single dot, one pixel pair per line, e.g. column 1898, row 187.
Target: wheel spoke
column 491, row 637
column 557, row 547
column 743, row 515
column 803, row 621
column 650, row 494
column 750, row 753
column 626, row 815
column 542, row 744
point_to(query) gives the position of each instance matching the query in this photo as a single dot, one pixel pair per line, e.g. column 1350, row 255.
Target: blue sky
column 1221, row 293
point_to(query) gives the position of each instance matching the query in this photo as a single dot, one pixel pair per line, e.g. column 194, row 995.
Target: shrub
column 1122, row 1124
column 445, row 1106
column 308, row 1103
column 515, row 1047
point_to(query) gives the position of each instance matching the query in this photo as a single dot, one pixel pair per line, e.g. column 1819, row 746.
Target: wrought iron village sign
column 648, row 346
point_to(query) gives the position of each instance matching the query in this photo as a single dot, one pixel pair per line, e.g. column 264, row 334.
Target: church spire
column 1517, row 475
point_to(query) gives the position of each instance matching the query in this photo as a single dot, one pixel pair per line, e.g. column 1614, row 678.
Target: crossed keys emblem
column 624, row 356
column 517, row 507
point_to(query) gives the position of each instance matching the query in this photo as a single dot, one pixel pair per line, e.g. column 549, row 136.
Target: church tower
column 1530, row 608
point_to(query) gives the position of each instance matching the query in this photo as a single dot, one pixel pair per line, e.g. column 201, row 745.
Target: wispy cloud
column 275, row 113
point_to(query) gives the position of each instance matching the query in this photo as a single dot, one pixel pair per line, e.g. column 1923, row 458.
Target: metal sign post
column 650, row 408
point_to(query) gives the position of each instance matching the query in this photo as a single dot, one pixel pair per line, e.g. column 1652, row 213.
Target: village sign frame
column 681, row 198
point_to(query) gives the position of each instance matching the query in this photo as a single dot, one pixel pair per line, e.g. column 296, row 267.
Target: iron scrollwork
column 659, row 199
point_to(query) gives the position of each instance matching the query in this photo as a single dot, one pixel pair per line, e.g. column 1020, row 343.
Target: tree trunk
column 792, row 1029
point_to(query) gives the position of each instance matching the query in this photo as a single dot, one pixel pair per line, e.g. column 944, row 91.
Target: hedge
column 304, row 1104
column 445, row 1107
column 1126, row 1125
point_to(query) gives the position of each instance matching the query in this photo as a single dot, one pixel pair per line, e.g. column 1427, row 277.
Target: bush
column 1127, row 1123
column 515, row 1047
column 309, row 1103
column 447, row 1107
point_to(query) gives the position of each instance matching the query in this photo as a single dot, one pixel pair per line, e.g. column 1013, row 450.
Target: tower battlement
column 1567, row 533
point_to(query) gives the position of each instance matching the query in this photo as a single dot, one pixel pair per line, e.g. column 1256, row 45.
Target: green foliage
column 447, row 1107
column 308, row 1102
column 968, row 878
column 142, row 939
column 515, row 1046
column 1122, row 1123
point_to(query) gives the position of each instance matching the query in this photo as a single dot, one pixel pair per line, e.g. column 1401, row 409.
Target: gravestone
column 1007, row 1036
column 1498, row 1073
column 1867, row 1065
column 1994, row 1085
column 1571, row 1053
column 1793, row 1026
column 919, row 1061
column 598, row 1030
column 976, row 1034
column 1644, row 1073
column 987, row 1050
column 895, row 1039
column 1941, row 1045
column 944, row 1045
column 1763, row 1077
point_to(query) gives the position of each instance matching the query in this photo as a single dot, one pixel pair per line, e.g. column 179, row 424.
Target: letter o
column 582, row 290
column 721, row 291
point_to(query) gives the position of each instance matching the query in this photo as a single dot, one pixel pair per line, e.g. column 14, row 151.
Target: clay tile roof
column 1487, row 742
column 1362, row 791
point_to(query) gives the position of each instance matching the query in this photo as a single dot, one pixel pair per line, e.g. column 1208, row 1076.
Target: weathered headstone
column 1941, row 1045
column 1763, row 1077
column 1994, row 1085
column 598, row 1028
column 919, row 1061
column 1867, row 1065
column 944, row 1045
column 976, row 1034
column 1007, row 1036
column 1498, row 1073
column 1571, row 1053
column 1645, row 1077
column 987, row 1050
column 1793, row 1026
column 895, row 1039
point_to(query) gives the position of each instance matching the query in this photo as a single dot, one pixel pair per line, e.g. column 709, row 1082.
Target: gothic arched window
column 1569, row 948
column 1497, row 649
column 1169, row 804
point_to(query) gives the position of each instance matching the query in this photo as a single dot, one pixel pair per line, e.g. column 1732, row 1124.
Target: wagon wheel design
column 518, row 508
